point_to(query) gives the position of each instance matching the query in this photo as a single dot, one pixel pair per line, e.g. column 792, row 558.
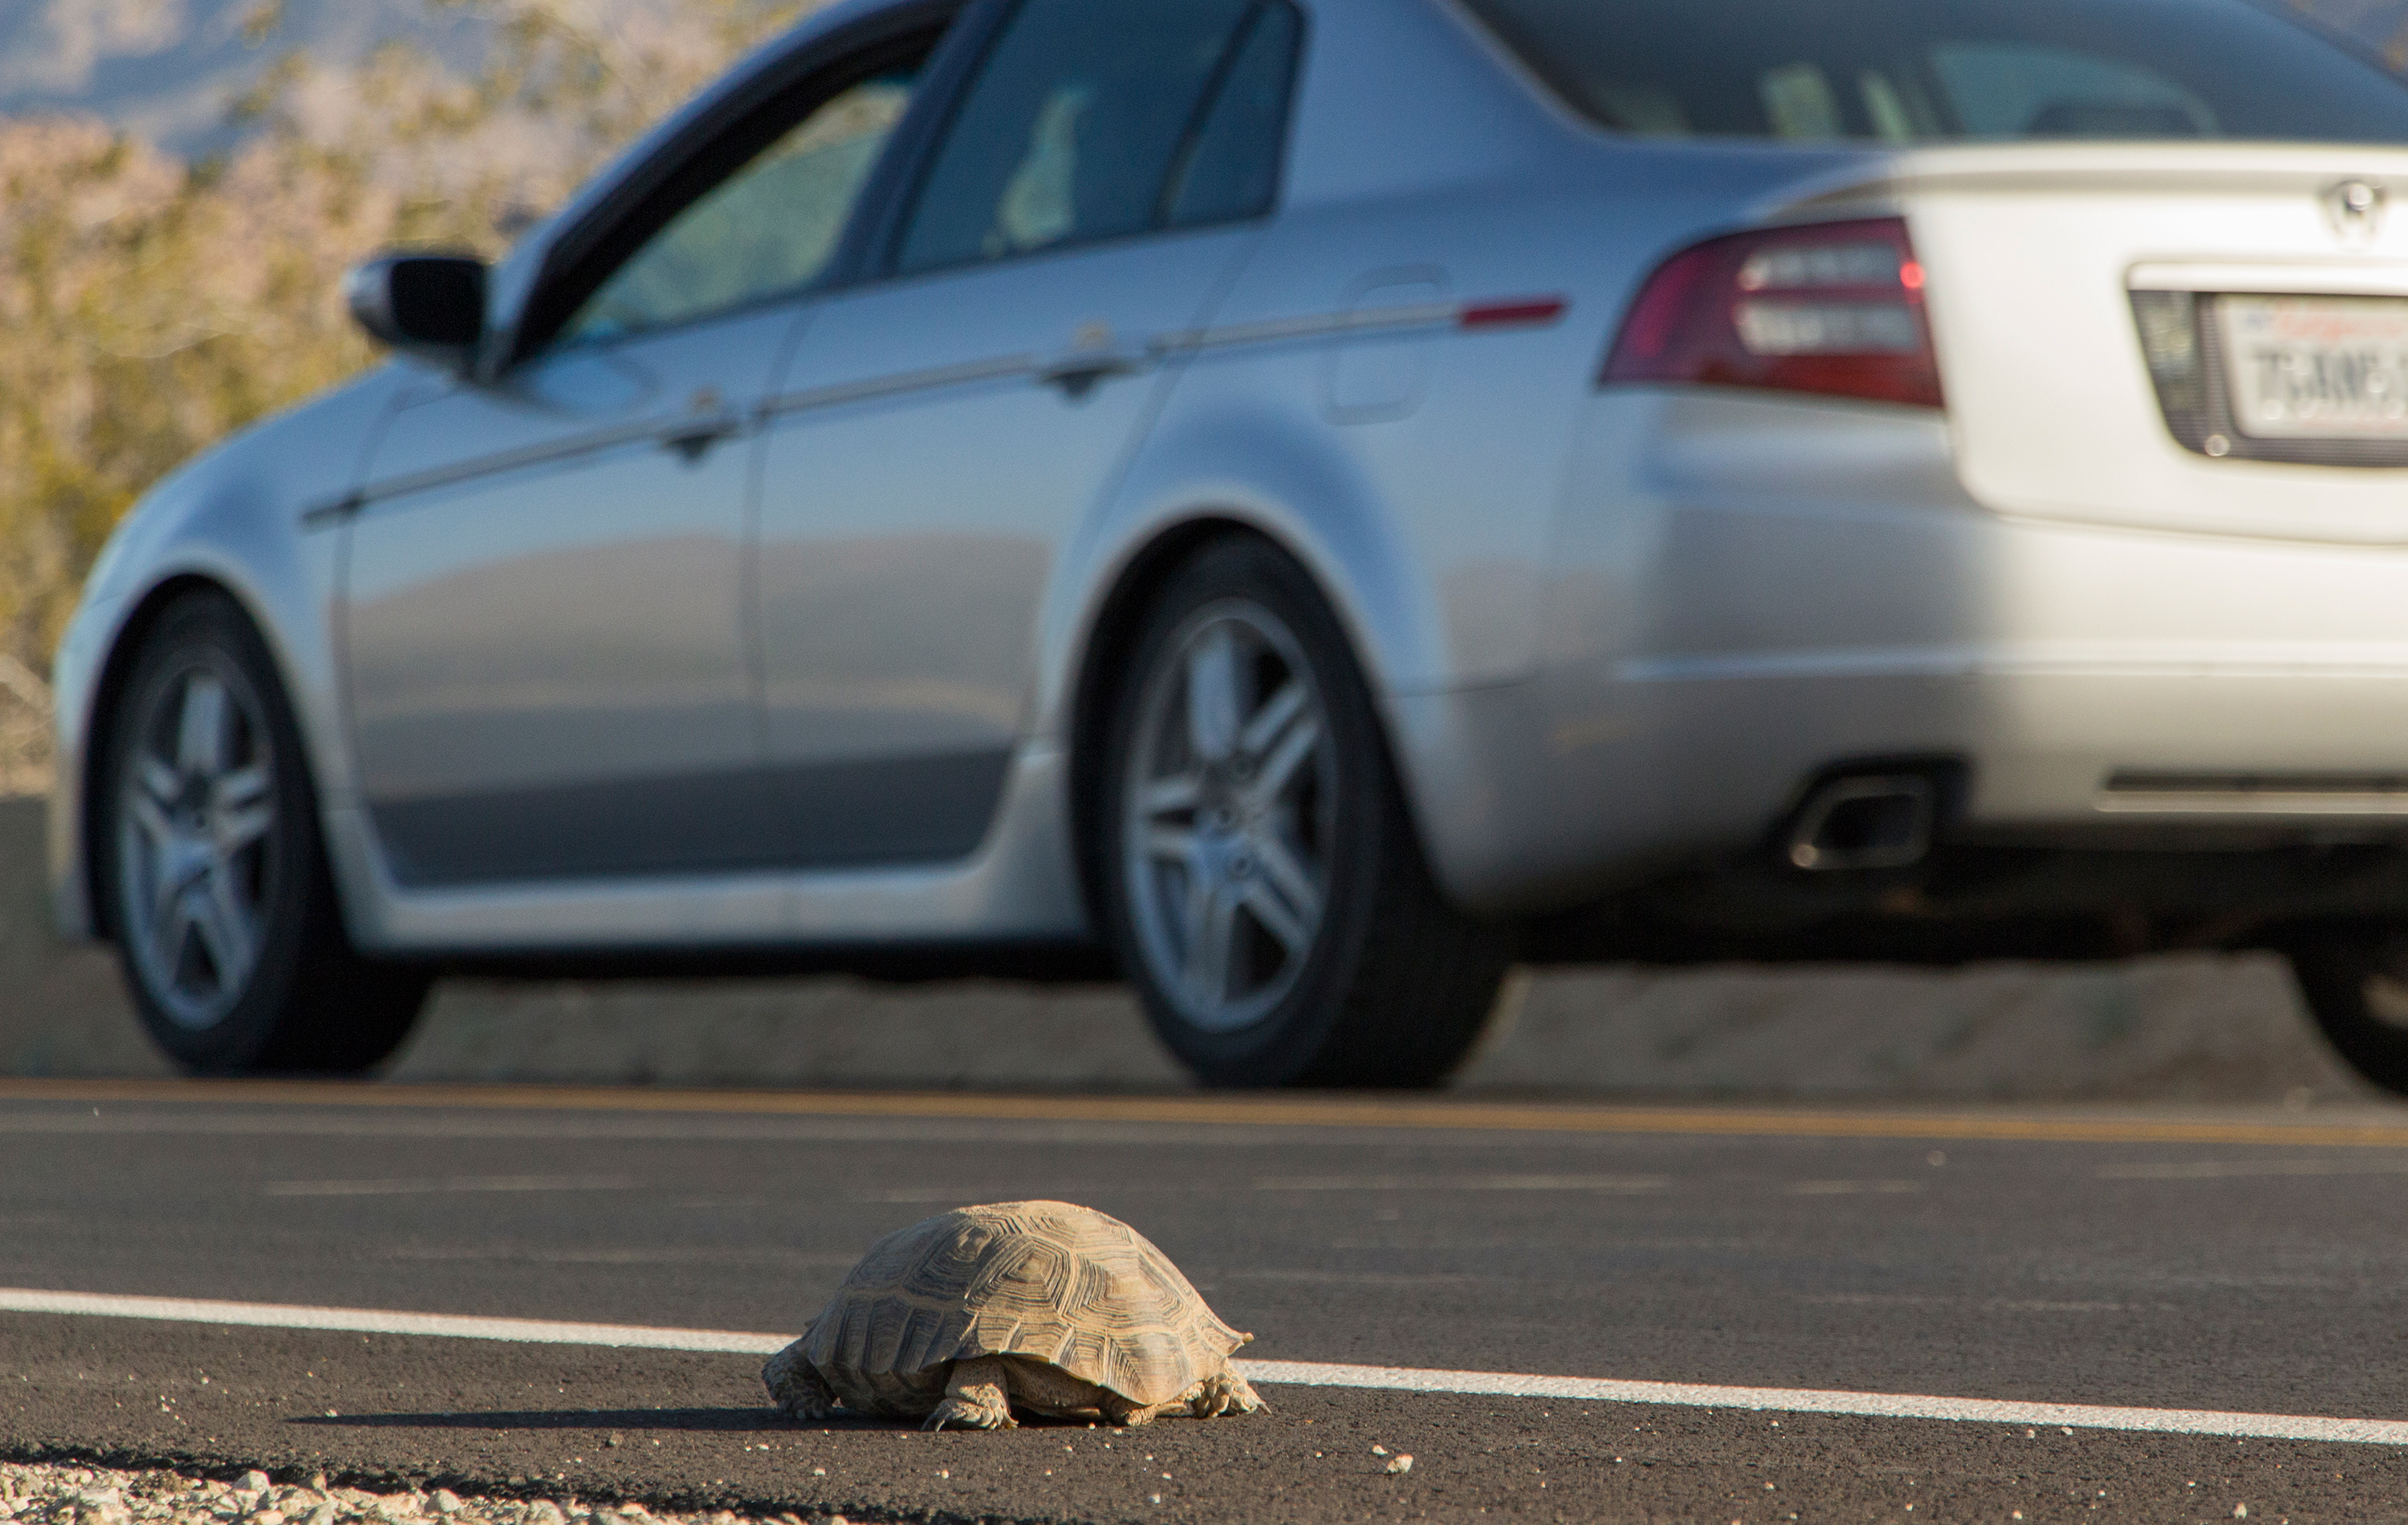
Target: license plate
column 2318, row 367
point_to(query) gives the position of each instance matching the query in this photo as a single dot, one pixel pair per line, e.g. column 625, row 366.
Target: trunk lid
column 2033, row 252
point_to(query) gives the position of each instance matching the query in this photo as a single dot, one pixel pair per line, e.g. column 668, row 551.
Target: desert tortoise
column 1042, row 1306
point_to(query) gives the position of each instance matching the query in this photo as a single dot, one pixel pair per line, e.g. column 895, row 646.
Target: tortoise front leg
column 974, row 1398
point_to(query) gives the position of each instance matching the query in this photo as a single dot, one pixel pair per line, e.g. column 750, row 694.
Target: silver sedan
column 1318, row 499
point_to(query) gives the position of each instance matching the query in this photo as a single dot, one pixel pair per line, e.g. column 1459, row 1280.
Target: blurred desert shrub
column 148, row 306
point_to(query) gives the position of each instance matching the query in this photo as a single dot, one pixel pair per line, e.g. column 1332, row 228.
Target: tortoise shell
column 1046, row 1281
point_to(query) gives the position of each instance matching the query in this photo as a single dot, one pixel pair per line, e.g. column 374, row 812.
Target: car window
column 1230, row 166
column 771, row 226
column 1920, row 70
column 2015, row 90
column 1069, row 132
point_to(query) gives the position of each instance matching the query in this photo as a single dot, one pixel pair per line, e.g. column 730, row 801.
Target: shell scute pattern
column 1044, row 1281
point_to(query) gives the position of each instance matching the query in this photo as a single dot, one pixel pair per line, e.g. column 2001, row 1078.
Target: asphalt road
column 2235, row 1261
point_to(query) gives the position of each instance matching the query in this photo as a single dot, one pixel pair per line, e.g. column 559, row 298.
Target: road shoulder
column 692, row 1434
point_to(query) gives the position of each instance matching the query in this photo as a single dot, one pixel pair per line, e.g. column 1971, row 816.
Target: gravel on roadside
column 34, row 1493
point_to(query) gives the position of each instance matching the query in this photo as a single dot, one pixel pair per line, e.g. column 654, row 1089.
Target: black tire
column 2355, row 982
column 1391, row 984
column 210, row 873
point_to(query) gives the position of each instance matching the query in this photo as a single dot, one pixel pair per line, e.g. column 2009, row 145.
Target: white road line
column 379, row 1321
column 2171, row 1421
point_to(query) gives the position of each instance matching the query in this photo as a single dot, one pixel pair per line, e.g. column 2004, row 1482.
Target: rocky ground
column 38, row 1494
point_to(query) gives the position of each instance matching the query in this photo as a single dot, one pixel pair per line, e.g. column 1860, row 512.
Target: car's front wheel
column 1263, row 884
column 210, row 859
column 2355, row 982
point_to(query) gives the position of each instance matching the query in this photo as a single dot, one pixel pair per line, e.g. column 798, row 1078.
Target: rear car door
column 548, row 667
column 948, row 422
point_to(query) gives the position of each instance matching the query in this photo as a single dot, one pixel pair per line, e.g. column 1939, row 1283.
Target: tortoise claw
column 1223, row 1393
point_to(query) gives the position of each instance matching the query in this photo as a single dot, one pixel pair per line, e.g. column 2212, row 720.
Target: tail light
column 1834, row 309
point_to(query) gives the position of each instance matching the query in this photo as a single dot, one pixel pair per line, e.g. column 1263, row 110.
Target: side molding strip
column 1484, row 316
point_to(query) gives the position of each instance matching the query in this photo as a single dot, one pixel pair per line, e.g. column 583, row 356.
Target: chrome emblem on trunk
column 2355, row 211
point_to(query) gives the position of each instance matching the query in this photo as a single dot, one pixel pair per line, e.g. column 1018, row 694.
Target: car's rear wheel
column 1262, row 882
column 2355, row 982
column 214, row 877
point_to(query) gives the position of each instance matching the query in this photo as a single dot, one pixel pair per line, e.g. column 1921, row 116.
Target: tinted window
column 770, row 227
column 1230, row 168
column 1910, row 70
column 1071, row 127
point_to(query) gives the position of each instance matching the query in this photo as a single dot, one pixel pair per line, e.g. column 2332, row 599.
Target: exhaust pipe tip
column 1865, row 821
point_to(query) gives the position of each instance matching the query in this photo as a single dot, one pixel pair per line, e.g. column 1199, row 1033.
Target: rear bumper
column 1747, row 593
column 1531, row 799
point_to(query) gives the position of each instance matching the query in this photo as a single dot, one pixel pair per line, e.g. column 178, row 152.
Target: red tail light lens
column 1834, row 309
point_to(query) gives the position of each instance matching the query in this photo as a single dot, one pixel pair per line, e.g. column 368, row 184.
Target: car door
column 948, row 422
column 548, row 663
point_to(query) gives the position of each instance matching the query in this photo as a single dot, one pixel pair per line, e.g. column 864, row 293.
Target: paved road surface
column 2230, row 1261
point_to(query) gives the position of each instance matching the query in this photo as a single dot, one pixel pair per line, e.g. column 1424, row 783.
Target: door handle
column 695, row 438
column 1079, row 373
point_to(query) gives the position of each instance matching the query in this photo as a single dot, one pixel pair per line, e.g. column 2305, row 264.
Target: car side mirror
column 431, row 306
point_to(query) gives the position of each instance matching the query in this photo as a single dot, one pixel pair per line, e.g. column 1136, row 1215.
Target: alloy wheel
column 1229, row 817
column 195, row 832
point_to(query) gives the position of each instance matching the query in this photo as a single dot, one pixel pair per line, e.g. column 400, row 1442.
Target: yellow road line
column 1290, row 1111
